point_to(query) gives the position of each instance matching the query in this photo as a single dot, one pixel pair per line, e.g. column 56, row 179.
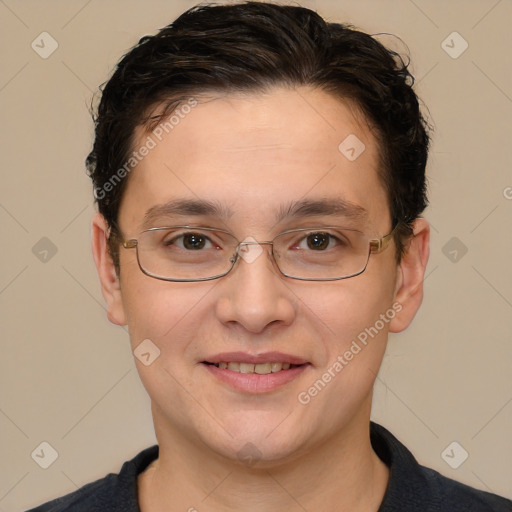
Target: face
column 256, row 157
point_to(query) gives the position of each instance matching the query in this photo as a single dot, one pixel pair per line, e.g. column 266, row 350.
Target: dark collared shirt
column 411, row 487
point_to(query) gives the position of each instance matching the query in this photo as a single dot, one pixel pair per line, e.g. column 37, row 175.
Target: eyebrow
column 294, row 209
column 185, row 207
column 312, row 207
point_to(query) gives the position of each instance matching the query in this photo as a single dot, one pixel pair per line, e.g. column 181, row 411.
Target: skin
column 253, row 153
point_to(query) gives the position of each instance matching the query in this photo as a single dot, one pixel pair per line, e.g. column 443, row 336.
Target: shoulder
column 113, row 493
column 416, row 488
column 90, row 497
column 453, row 496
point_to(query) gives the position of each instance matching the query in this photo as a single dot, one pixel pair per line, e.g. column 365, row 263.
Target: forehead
column 256, row 154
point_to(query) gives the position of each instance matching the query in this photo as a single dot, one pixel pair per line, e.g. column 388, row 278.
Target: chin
column 259, row 443
column 256, row 454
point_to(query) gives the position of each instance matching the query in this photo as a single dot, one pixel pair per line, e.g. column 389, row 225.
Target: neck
column 343, row 474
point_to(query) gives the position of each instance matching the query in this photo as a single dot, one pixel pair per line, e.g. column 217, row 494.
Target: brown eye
column 193, row 241
column 318, row 241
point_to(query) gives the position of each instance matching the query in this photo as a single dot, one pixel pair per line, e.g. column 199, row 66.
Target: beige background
column 67, row 376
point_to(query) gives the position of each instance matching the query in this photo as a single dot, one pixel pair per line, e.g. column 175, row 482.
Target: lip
column 254, row 383
column 244, row 357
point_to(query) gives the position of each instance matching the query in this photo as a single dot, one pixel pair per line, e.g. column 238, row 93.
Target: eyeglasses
column 194, row 253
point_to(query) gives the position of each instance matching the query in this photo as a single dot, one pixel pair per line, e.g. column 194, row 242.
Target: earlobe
column 411, row 273
column 109, row 280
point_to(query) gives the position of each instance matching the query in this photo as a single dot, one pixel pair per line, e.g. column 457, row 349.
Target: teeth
column 263, row 369
column 246, row 368
column 276, row 367
column 260, row 369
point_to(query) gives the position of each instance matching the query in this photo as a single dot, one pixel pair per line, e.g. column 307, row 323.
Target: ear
column 110, row 283
column 410, row 276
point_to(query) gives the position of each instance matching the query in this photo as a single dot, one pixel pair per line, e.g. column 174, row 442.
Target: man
column 260, row 176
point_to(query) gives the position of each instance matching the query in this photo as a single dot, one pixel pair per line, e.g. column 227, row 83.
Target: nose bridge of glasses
column 254, row 242
column 244, row 252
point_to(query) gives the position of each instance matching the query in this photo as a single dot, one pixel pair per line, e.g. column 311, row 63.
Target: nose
column 254, row 295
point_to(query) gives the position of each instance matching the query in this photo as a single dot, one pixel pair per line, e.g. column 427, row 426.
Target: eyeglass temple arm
column 380, row 244
column 130, row 244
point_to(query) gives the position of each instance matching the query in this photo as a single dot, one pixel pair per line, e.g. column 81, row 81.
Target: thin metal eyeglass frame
column 375, row 246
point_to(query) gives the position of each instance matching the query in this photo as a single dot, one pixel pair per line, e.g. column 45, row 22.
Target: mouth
column 259, row 373
column 247, row 368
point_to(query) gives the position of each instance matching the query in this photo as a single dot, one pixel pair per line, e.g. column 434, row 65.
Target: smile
column 255, row 377
column 260, row 368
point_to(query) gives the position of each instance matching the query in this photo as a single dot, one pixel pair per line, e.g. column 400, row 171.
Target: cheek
column 345, row 310
column 162, row 311
column 351, row 351
column 169, row 315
